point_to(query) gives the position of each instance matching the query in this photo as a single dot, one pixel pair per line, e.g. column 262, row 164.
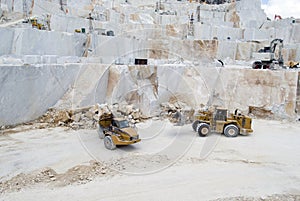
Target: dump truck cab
column 219, row 121
column 116, row 131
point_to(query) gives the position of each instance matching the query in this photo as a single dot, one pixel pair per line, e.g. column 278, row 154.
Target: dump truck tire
column 100, row 131
column 203, row 129
column 195, row 125
column 231, row 131
column 108, row 143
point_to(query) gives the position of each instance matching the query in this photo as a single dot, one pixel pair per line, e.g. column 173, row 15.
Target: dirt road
column 171, row 163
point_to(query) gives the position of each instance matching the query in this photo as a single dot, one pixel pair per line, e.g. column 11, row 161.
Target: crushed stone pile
column 80, row 174
column 123, row 110
column 81, row 118
column 177, row 112
column 260, row 112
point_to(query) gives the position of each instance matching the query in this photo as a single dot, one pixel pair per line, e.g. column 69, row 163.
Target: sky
column 284, row 8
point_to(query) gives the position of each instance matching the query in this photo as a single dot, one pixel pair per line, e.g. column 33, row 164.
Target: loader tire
column 195, row 125
column 108, row 143
column 203, row 129
column 231, row 131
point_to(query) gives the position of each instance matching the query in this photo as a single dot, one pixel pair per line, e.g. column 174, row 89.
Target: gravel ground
column 170, row 163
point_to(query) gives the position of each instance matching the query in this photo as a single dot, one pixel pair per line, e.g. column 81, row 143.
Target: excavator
column 265, row 58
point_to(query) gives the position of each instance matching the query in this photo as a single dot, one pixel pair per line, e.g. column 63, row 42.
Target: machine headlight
column 135, row 137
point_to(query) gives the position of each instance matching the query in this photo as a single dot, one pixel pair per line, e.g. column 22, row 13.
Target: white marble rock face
column 40, row 69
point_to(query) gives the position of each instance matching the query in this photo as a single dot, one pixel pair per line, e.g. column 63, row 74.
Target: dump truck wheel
column 100, row 131
column 108, row 143
column 203, row 129
column 231, row 131
column 195, row 125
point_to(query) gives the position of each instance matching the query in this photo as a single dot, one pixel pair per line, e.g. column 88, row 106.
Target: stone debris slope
column 80, row 174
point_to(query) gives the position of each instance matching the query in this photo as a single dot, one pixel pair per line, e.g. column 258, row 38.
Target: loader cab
column 221, row 115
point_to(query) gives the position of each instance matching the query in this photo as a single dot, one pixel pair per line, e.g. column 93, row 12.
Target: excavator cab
column 266, row 59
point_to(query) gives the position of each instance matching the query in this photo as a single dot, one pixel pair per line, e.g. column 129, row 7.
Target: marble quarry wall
column 240, row 29
column 27, row 41
column 227, row 87
column 24, row 41
column 28, row 91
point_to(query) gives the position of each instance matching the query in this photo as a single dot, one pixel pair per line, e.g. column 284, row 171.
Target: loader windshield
column 123, row 124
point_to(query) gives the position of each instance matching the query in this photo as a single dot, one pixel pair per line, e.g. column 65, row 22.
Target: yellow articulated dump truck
column 116, row 131
column 218, row 120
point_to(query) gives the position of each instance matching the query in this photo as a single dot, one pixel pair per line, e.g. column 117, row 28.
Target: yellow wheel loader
column 218, row 120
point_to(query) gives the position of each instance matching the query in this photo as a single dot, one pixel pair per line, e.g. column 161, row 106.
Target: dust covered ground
column 170, row 163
